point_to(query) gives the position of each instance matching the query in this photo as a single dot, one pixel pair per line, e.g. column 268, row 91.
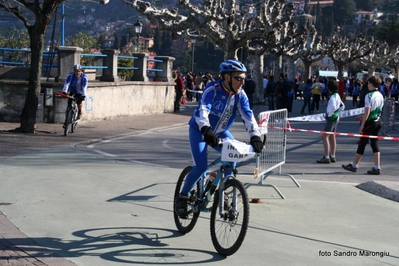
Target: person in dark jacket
column 364, row 91
column 307, row 96
column 250, row 88
column 270, row 92
column 282, row 89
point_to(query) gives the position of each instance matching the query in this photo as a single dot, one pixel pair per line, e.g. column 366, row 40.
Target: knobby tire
column 186, row 225
column 74, row 121
column 228, row 234
column 68, row 117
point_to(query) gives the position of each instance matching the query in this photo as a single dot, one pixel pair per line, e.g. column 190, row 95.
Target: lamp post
column 193, row 41
column 138, row 27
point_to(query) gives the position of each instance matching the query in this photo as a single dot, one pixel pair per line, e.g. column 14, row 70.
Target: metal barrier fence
column 272, row 124
column 388, row 116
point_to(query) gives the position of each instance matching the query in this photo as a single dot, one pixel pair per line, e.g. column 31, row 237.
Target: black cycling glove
column 256, row 143
column 209, row 136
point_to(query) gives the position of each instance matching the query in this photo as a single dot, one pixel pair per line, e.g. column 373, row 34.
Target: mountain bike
column 71, row 114
column 229, row 209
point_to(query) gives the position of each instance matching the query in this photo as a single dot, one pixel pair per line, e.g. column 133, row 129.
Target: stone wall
column 104, row 100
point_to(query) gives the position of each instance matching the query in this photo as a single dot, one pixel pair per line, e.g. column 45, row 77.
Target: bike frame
column 219, row 182
column 74, row 110
column 229, row 224
column 72, row 107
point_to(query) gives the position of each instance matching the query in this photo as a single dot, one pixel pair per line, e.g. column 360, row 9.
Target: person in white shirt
column 334, row 106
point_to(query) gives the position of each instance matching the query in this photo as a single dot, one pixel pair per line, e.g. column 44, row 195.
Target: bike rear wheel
column 186, row 225
column 228, row 232
column 68, row 118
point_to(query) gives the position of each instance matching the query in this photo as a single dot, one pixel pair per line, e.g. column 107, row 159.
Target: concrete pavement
column 62, row 206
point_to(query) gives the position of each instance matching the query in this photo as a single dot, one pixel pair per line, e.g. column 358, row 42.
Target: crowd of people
column 368, row 92
column 280, row 93
column 314, row 91
column 191, row 86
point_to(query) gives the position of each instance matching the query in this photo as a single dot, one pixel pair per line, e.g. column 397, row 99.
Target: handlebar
column 64, row 95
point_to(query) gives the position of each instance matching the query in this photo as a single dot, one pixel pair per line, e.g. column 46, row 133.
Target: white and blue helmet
column 77, row 67
column 232, row 65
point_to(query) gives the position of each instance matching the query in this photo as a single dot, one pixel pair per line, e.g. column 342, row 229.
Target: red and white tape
column 336, row 133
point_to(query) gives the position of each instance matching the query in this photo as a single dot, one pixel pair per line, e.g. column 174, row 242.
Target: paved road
column 66, row 204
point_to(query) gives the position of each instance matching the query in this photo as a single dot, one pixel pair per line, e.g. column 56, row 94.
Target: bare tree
column 278, row 36
column 36, row 16
column 377, row 57
column 393, row 59
column 217, row 22
column 312, row 49
column 343, row 50
column 267, row 26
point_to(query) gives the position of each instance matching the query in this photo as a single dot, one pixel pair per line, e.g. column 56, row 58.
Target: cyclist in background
column 76, row 82
column 212, row 120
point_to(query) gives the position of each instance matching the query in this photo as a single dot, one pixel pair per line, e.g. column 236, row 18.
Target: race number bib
column 236, row 151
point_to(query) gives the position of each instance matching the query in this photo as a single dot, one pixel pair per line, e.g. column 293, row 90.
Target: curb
column 380, row 190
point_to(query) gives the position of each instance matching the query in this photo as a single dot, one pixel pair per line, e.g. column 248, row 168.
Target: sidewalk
column 60, row 209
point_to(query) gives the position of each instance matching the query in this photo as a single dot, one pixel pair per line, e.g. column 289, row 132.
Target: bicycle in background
column 230, row 206
column 71, row 114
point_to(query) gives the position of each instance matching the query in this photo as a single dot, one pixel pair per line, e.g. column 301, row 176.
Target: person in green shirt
column 334, row 106
column 371, row 125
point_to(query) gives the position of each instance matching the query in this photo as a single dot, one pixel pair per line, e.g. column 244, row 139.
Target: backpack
column 382, row 90
column 290, row 94
column 325, row 90
column 355, row 91
column 316, row 88
column 394, row 89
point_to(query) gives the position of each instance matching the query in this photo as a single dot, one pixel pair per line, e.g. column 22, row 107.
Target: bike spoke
column 229, row 229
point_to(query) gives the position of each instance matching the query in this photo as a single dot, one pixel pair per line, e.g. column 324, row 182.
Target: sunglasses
column 239, row 78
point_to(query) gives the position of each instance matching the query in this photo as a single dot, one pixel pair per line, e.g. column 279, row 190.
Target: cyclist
column 76, row 82
column 212, row 120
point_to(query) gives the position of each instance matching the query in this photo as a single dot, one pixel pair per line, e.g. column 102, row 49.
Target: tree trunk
column 371, row 70
column 232, row 53
column 308, row 69
column 280, row 65
column 291, row 68
column 340, row 67
column 28, row 115
column 256, row 70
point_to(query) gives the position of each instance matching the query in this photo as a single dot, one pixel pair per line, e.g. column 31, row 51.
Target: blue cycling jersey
column 218, row 108
column 76, row 85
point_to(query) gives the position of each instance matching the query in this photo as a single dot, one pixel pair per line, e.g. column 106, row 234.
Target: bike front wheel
column 228, row 230
column 186, row 225
column 68, row 118
column 74, row 121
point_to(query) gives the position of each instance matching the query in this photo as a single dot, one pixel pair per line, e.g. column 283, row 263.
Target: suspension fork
column 224, row 179
column 221, row 192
